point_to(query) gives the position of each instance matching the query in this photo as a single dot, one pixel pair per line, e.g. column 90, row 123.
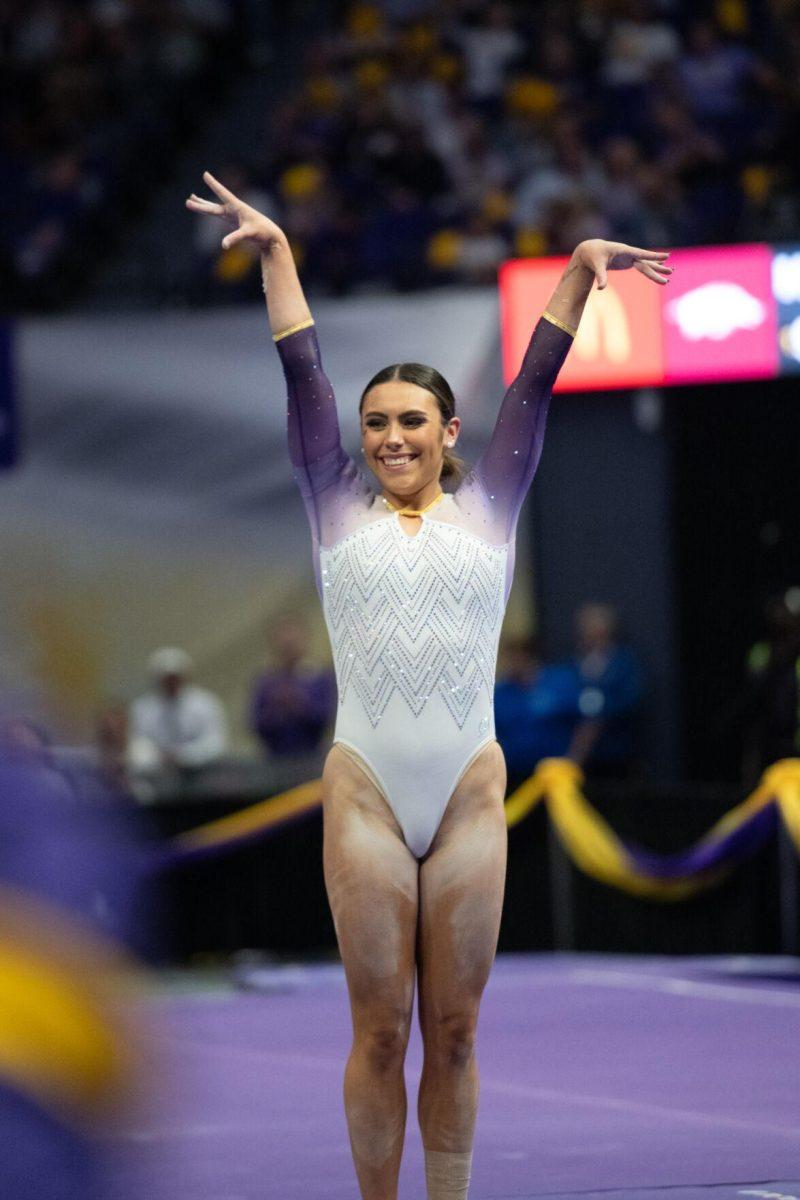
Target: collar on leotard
column 413, row 512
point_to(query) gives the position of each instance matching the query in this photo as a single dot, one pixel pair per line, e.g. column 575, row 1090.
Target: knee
column 383, row 1045
column 451, row 1041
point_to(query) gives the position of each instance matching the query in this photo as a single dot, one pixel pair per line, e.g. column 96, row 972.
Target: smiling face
column 404, row 436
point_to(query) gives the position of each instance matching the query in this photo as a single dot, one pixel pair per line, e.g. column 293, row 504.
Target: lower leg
column 448, row 1104
column 448, row 1093
column 375, row 1104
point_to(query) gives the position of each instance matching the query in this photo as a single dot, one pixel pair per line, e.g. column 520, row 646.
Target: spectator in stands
column 693, row 156
column 176, row 725
column 534, row 708
column 478, row 169
column 490, row 44
column 637, row 44
column 717, row 79
column 291, row 706
column 482, row 248
column 622, row 200
column 573, row 174
column 607, row 689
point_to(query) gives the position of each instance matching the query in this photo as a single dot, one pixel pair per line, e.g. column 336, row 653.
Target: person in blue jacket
column 535, row 708
column 607, row 683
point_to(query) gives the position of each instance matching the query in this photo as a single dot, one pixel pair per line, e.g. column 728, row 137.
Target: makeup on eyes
column 373, row 418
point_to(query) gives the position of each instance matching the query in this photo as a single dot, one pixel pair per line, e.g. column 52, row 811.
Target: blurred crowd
column 589, row 707
column 176, row 734
column 427, row 142
column 97, row 96
column 424, row 140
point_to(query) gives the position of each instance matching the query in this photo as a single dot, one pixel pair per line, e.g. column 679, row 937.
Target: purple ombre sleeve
column 315, row 447
column 332, row 487
column 507, row 466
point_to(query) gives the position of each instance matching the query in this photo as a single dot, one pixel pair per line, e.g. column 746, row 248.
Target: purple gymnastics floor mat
column 599, row 1076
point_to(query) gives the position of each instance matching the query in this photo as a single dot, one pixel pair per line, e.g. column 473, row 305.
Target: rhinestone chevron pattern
column 414, row 615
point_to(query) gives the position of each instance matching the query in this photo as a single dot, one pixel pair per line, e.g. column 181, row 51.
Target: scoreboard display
column 728, row 312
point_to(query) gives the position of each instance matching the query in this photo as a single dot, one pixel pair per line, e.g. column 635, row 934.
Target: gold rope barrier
column 252, row 820
column 585, row 835
column 783, row 780
column 596, row 850
column 592, row 844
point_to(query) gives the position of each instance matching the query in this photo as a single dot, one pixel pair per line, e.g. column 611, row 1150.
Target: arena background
column 146, row 500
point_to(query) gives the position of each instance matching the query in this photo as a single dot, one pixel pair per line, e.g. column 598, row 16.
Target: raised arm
column 591, row 261
column 314, row 443
column 509, row 462
column 286, row 304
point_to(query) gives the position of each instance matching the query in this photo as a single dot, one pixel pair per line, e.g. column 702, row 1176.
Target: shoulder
column 468, row 486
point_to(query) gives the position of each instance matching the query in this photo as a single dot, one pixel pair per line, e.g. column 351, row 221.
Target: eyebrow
column 409, row 412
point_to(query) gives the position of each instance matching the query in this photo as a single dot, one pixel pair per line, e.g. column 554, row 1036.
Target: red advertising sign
column 619, row 343
column 719, row 315
column 716, row 320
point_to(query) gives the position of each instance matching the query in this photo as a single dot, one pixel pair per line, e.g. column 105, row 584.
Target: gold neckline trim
column 413, row 512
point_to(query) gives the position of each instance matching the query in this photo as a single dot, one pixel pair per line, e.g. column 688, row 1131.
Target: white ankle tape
column 447, row 1175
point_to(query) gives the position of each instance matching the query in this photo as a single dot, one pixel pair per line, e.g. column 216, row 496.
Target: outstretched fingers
column 226, row 196
column 198, row 204
column 230, row 208
column 639, row 253
column 657, row 271
column 239, row 235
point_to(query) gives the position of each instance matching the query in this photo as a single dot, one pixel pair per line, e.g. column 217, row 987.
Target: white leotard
column 414, row 621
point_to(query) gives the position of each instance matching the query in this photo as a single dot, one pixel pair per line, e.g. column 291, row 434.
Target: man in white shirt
column 176, row 724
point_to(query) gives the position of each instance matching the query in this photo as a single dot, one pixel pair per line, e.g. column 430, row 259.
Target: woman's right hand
column 248, row 224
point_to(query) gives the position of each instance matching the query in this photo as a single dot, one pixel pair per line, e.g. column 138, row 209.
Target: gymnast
column 414, row 583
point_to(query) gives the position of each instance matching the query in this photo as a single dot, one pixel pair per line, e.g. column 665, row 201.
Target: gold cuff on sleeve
column 548, row 316
column 309, row 321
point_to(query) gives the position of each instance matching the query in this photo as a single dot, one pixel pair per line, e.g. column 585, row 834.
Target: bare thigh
column 461, row 896
column 372, row 883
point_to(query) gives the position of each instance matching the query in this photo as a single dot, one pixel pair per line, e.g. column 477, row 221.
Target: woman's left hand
column 600, row 256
